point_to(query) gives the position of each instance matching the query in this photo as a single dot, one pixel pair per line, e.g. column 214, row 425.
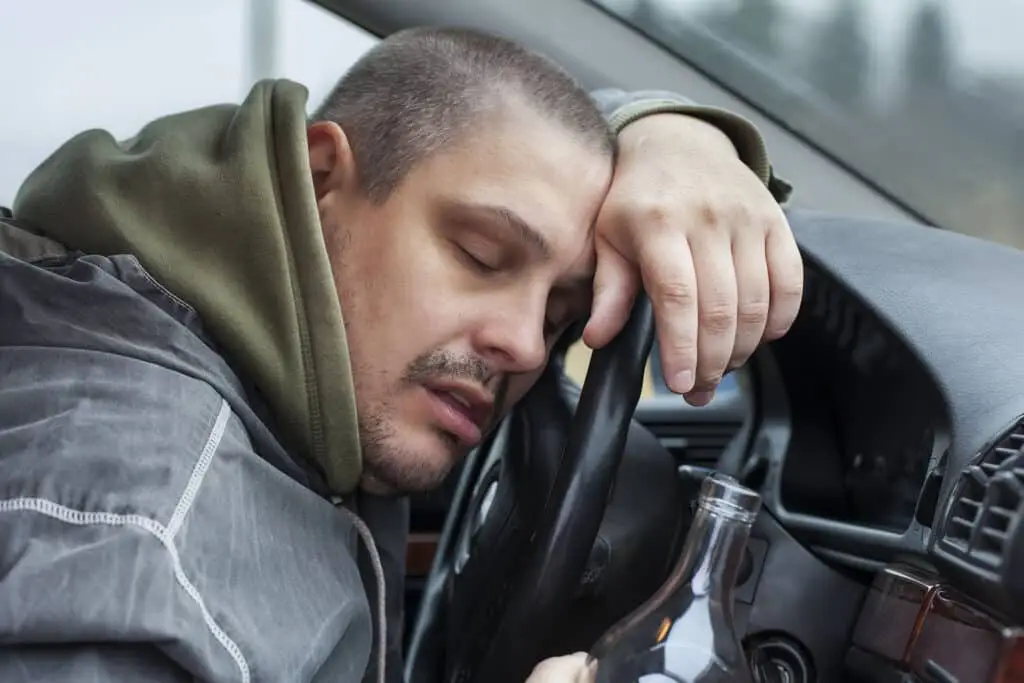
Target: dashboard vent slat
column 993, row 534
column 1002, row 513
column 1002, row 453
column 989, row 499
column 971, row 504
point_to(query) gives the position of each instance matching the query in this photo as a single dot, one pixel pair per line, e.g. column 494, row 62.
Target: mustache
column 444, row 364
column 440, row 364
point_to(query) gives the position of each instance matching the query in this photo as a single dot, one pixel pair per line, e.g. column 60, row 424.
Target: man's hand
column 711, row 246
column 568, row 669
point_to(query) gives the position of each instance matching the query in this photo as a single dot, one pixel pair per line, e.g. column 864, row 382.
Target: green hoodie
column 218, row 205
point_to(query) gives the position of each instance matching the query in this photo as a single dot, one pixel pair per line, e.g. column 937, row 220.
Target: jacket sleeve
column 78, row 599
column 622, row 108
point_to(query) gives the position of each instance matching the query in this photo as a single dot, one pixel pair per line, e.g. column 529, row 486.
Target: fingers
column 569, row 669
column 717, row 307
column 667, row 269
column 616, row 283
column 786, row 280
column 721, row 282
column 753, row 295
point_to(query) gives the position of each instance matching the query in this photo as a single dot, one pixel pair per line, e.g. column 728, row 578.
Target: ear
column 330, row 159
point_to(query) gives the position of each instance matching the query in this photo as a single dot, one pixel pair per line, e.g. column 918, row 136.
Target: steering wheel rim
column 563, row 535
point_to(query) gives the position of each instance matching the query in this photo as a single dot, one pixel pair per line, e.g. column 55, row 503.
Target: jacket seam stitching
column 195, row 480
column 164, row 534
column 160, row 286
column 80, row 518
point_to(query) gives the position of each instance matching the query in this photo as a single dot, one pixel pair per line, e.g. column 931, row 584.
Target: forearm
column 622, row 108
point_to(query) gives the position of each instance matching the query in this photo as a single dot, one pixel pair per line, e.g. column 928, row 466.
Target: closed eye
column 476, row 263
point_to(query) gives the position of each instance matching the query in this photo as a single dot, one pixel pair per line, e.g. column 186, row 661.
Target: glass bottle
column 684, row 633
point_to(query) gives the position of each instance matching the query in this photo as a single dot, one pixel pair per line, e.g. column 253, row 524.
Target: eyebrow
column 529, row 235
column 525, row 232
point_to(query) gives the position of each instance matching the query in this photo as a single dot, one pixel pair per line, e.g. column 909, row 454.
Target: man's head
column 457, row 178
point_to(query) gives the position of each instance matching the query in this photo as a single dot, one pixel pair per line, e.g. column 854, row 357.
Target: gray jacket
column 152, row 528
column 152, row 525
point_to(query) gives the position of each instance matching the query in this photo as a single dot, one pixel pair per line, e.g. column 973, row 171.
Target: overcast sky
column 66, row 66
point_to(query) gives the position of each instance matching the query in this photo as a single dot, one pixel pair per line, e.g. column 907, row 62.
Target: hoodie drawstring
column 378, row 573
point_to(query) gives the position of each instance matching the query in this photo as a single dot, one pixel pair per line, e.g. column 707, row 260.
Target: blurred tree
column 757, row 26
column 840, row 61
column 668, row 24
column 929, row 56
column 752, row 25
column 645, row 15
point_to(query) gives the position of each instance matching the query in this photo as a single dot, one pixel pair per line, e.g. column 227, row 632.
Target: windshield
column 924, row 99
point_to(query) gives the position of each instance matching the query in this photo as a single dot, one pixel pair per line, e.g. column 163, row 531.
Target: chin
column 399, row 466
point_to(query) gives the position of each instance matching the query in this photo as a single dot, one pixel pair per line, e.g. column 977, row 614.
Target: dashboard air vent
column 988, row 502
column 699, row 444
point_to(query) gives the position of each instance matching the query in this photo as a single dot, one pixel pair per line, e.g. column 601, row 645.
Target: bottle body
column 685, row 632
column 680, row 658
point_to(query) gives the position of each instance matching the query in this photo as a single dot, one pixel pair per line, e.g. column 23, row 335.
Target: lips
column 461, row 409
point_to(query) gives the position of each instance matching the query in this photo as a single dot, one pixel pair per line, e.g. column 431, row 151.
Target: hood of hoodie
column 218, row 205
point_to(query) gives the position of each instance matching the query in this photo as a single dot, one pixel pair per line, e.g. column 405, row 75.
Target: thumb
column 616, row 282
column 572, row 668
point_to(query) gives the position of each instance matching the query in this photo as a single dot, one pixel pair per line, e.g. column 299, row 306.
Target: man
column 214, row 330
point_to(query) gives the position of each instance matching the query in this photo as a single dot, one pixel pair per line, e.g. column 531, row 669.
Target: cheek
column 395, row 301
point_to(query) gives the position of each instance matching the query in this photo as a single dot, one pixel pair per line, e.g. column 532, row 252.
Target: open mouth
column 461, row 410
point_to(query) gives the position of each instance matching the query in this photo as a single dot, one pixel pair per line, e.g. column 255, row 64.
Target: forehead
column 534, row 168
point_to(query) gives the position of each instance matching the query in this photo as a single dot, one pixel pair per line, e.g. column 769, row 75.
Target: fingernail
column 700, row 398
column 682, row 382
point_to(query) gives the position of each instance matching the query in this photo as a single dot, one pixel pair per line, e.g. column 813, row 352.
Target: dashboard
column 884, row 433
column 889, row 441
column 868, row 421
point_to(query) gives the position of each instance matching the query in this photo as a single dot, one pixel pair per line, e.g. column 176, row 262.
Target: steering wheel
column 557, row 540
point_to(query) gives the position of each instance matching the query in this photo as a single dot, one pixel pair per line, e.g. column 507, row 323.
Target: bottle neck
column 713, row 556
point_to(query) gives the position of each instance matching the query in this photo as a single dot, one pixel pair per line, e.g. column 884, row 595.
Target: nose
column 512, row 336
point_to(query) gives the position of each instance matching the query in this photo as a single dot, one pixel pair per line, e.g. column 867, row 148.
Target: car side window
column 116, row 64
column 924, row 99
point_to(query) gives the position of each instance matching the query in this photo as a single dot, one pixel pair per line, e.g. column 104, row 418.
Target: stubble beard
column 391, row 469
column 388, row 468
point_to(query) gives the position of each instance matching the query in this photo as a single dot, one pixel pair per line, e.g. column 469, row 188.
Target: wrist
column 688, row 133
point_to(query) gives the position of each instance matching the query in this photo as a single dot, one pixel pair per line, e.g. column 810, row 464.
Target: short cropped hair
column 418, row 90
